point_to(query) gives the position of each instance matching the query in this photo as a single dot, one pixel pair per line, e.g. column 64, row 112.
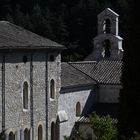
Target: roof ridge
column 110, row 60
column 82, row 62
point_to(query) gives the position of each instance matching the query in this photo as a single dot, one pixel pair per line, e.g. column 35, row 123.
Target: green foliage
column 104, row 127
column 2, row 135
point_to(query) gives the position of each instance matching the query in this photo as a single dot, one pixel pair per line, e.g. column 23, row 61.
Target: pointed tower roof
column 108, row 11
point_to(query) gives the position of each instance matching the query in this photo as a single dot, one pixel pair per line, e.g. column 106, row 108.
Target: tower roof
column 108, row 11
column 16, row 37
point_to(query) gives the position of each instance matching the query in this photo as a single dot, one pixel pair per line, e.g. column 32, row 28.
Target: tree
column 104, row 127
column 129, row 113
column 42, row 24
column 19, row 17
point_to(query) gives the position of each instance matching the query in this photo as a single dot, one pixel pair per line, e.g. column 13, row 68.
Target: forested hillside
column 69, row 22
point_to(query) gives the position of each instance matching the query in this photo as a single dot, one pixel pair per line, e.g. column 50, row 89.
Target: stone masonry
column 35, row 60
column 16, row 118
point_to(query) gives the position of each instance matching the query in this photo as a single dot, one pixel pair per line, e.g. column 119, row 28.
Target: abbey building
column 42, row 98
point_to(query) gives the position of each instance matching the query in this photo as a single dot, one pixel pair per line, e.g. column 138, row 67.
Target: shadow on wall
column 24, row 56
column 92, row 99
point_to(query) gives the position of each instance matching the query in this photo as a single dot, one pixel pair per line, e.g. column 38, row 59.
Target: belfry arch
column 107, row 26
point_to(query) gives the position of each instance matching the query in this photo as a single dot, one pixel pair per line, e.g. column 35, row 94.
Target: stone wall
column 39, row 92
column 54, row 72
column 67, row 101
column 116, row 48
column 111, row 15
column 16, row 73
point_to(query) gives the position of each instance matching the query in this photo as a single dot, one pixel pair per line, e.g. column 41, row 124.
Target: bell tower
column 108, row 22
column 107, row 43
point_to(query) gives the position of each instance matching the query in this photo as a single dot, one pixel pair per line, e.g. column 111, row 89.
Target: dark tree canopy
column 130, row 94
column 70, row 22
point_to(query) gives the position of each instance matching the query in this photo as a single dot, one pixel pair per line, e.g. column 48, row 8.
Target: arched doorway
column 107, row 26
column 52, row 131
column 40, row 132
column 106, row 48
column 26, row 134
column 11, row 136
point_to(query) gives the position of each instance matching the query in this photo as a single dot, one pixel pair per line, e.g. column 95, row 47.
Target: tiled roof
column 83, row 119
column 104, row 72
column 15, row 37
column 108, row 11
column 71, row 76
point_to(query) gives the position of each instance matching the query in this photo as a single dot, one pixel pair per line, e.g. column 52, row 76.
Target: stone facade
column 51, row 105
column 67, row 101
column 103, row 66
column 29, row 76
column 54, row 72
column 37, row 72
column 88, row 96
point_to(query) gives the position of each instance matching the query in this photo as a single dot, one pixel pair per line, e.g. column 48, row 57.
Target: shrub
column 104, row 127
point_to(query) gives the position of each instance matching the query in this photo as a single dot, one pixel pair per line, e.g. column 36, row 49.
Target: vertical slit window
column 25, row 95
column 78, row 109
column 52, row 89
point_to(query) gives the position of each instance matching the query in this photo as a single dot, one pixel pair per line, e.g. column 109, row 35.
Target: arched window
column 78, row 109
column 106, row 48
column 53, row 131
column 11, row 136
column 52, row 89
column 40, row 133
column 25, row 95
column 107, row 26
column 51, row 58
column 26, row 134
